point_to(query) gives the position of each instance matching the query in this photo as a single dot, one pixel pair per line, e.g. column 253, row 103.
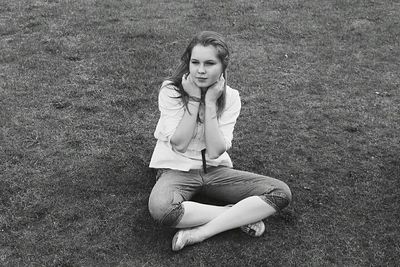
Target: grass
column 319, row 82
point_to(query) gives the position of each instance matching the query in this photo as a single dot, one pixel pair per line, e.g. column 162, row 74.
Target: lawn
column 320, row 89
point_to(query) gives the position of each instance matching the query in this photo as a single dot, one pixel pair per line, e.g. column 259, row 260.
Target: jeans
column 222, row 183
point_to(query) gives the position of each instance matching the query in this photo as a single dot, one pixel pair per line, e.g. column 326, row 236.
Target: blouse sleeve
column 171, row 112
column 228, row 118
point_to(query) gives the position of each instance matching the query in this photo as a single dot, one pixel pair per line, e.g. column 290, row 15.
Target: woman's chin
column 202, row 85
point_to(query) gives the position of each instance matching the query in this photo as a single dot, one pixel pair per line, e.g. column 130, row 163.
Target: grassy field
column 320, row 87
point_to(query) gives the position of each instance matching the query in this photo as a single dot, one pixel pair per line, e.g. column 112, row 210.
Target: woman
column 194, row 132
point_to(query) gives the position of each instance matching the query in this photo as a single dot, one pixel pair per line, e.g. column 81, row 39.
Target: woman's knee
column 280, row 197
column 288, row 193
column 165, row 211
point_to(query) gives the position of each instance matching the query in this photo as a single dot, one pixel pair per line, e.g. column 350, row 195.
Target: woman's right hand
column 190, row 87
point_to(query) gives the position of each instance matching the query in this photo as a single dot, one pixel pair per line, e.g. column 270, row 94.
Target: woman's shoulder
column 232, row 95
column 169, row 89
column 167, row 84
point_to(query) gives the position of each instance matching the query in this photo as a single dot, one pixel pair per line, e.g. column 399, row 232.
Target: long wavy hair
column 204, row 38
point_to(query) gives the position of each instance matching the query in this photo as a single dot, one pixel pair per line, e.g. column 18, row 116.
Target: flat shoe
column 180, row 240
column 254, row 229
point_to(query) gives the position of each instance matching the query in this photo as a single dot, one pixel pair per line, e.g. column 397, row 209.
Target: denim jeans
column 222, row 183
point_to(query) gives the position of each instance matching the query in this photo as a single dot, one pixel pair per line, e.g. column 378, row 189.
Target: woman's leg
column 170, row 204
column 257, row 197
column 246, row 211
column 196, row 214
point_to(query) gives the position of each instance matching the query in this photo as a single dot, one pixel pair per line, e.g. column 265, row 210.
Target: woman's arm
column 215, row 141
column 186, row 127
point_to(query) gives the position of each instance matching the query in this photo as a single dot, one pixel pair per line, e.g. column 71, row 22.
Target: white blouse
column 172, row 110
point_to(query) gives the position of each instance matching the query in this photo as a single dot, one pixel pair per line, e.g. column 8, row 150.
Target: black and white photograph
column 199, row 133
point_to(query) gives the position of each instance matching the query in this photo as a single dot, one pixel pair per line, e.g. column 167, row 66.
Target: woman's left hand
column 215, row 90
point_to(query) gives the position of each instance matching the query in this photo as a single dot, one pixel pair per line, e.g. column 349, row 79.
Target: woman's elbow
column 218, row 151
column 179, row 148
column 215, row 154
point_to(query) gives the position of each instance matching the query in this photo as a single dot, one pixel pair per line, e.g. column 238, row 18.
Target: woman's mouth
column 201, row 79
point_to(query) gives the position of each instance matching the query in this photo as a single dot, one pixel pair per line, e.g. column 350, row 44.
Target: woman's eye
column 195, row 62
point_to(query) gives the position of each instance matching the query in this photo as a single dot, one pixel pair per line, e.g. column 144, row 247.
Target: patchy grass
column 319, row 82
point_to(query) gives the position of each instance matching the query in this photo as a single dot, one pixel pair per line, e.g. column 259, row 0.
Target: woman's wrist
column 193, row 107
column 210, row 103
column 211, row 110
column 194, row 98
column 194, row 103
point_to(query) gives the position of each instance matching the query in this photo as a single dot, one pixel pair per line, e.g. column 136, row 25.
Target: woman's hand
column 215, row 90
column 190, row 87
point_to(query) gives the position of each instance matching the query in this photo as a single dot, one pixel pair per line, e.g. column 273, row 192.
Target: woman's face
column 205, row 67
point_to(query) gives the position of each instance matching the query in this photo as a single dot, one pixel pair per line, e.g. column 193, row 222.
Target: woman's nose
column 201, row 69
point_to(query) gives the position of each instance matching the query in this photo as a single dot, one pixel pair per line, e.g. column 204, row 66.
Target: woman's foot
column 254, row 229
column 184, row 238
